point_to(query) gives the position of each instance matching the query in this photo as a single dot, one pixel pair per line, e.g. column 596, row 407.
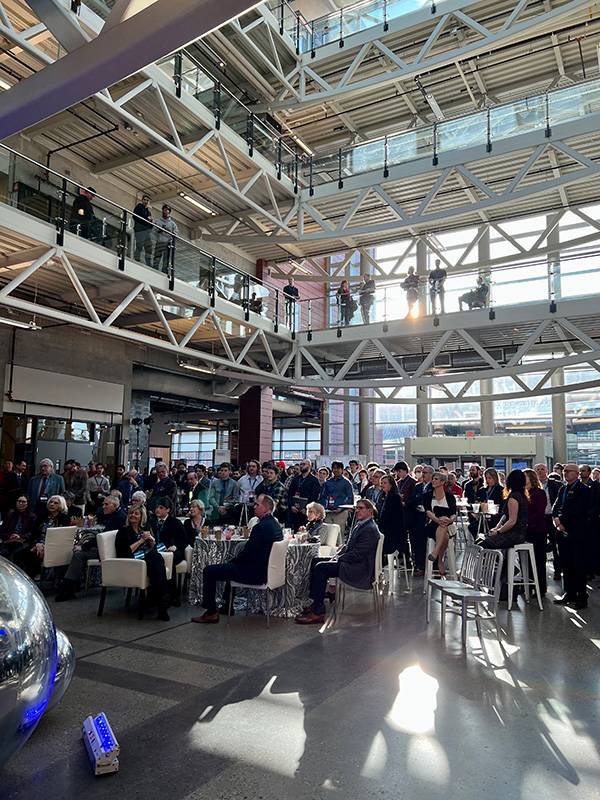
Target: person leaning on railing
column 82, row 219
column 142, row 217
column 164, row 229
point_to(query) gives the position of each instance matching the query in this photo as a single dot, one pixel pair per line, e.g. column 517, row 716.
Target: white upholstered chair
column 275, row 576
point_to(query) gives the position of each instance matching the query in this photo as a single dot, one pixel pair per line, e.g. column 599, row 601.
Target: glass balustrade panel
column 516, row 118
column 456, row 134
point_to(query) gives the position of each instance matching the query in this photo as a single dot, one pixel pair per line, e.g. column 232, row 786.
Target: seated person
column 477, row 297
column 17, row 527
column 354, row 564
column 30, row 556
column 85, row 548
column 74, row 512
column 250, row 566
column 197, row 519
column 138, row 498
column 136, row 537
column 315, row 513
column 168, row 530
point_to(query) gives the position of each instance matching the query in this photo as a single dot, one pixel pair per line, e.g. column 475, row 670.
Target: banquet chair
column 486, row 593
column 184, row 568
column 468, row 577
column 58, row 546
column 331, row 535
column 127, row 573
column 450, row 553
column 376, row 586
column 401, row 560
column 275, row 578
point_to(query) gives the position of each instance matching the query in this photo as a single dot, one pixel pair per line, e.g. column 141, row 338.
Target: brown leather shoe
column 310, row 618
column 206, row 617
column 418, row 573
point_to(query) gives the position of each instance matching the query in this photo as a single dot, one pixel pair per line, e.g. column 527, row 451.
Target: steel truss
column 539, row 250
column 192, row 150
column 181, row 321
column 553, row 340
column 309, row 82
column 470, row 182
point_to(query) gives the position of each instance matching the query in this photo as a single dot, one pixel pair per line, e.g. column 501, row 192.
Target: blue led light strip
column 106, row 740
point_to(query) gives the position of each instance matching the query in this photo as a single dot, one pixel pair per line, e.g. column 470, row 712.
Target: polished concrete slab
column 357, row 711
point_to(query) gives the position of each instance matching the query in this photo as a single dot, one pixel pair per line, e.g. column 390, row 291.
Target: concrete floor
column 358, row 711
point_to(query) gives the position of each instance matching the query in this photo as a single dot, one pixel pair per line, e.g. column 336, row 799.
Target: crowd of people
column 558, row 512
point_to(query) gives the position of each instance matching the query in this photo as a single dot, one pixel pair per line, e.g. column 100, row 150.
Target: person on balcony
column 410, row 284
column 366, row 296
column 165, row 230
column 437, row 279
column 346, row 304
column 291, row 297
column 477, row 297
column 82, row 219
column 142, row 219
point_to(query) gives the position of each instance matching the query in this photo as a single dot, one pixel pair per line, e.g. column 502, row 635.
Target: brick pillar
column 256, row 425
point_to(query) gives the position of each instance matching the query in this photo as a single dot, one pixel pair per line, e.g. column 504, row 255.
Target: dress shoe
column 223, row 610
column 208, row 618
column 580, row 605
column 418, row 573
column 310, row 618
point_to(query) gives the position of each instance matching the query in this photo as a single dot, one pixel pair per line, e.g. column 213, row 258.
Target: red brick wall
column 256, row 425
column 306, row 289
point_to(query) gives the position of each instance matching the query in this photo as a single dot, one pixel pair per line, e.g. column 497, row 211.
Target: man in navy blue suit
column 250, row 566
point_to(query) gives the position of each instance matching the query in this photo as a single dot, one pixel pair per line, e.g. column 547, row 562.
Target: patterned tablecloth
column 293, row 596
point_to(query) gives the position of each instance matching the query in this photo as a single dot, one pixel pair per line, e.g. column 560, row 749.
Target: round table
column 293, row 596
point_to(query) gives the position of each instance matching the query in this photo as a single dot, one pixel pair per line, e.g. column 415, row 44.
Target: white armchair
column 275, row 576
column 128, row 573
column 185, row 567
column 330, row 538
column 58, row 546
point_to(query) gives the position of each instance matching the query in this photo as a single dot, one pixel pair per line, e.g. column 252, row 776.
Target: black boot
column 66, row 590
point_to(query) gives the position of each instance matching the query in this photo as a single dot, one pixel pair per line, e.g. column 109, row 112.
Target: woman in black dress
column 344, row 303
column 391, row 517
column 136, row 537
column 196, row 520
column 440, row 510
column 512, row 527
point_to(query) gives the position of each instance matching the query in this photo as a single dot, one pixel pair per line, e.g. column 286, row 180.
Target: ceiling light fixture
column 198, row 204
column 16, row 323
column 303, row 145
column 4, row 84
column 299, row 267
column 196, row 368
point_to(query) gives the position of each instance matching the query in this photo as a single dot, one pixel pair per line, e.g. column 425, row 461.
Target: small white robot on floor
column 101, row 745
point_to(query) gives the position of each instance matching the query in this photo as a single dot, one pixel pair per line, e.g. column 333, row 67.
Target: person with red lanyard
column 43, row 486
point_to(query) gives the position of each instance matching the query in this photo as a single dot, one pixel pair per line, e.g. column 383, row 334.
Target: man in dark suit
column 418, row 537
column 304, row 489
column 570, row 514
column 15, row 483
column 250, row 566
column 168, row 530
column 551, row 484
column 131, row 483
column 354, row 563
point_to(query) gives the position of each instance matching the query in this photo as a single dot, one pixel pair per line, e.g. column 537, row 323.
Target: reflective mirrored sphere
column 65, row 667
column 27, row 657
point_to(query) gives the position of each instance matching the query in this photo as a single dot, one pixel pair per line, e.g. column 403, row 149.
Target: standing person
column 391, row 518
column 374, row 492
column 273, row 487
column 291, row 297
column 345, row 301
column 119, row 476
column 406, row 483
column 536, row 525
column 551, row 487
column 164, row 486
column 437, row 278
column 223, row 496
column 83, row 219
column 165, row 229
column 249, row 566
column 471, row 492
column 43, row 485
column 410, row 284
column 15, row 484
column 4, row 475
column 249, row 483
column 304, row 489
column 355, row 479
column 143, row 230
column 98, row 487
column 440, row 511
column 336, row 492
column 418, row 538
column 366, row 296
column 570, row 515
column 453, row 485
column 76, row 481
column 129, row 485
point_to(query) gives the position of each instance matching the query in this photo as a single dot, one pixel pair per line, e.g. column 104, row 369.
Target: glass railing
column 337, row 26
column 190, row 77
column 53, row 198
column 486, row 127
